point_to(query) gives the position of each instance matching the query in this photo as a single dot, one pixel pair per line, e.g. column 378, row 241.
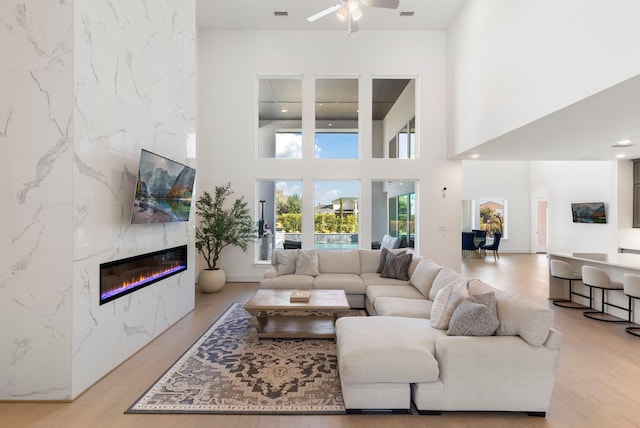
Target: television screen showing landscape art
column 588, row 212
column 163, row 190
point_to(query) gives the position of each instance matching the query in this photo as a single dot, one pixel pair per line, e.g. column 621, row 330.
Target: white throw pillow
column 446, row 302
column 286, row 262
column 424, row 274
column 307, row 263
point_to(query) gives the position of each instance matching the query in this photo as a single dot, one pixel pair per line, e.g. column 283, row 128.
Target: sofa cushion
column 401, row 307
column 339, row 261
column 385, row 349
column 390, row 242
column 397, row 266
column 303, row 282
column 350, row 283
column 307, row 263
column 285, row 262
column 446, row 302
column 369, row 260
column 372, row 278
column 518, row 315
column 414, row 261
column 445, row 277
column 473, row 319
column 424, row 274
column 404, row 291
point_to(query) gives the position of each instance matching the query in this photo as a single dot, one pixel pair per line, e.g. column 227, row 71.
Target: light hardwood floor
column 597, row 385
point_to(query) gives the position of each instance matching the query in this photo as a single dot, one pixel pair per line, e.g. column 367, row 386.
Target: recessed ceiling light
column 407, row 13
column 621, row 155
column 280, row 13
column 623, row 143
column 475, row 156
column 284, row 110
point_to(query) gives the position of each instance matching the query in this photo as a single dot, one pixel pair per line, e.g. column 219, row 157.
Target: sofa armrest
column 496, row 360
column 270, row 273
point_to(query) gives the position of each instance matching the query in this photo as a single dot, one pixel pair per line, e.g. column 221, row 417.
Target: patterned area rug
column 224, row 372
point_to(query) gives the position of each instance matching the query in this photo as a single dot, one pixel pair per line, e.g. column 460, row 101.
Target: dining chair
column 497, row 236
column 468, row 243
column 481, row 236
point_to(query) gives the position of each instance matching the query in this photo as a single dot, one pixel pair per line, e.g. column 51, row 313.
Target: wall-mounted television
column 588, row 212
column 163, row 190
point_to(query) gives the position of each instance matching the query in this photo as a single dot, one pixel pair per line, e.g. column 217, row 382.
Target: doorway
column 540, row 232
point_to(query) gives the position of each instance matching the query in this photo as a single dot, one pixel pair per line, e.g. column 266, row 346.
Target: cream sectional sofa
column 404, row 353
column 352, row 271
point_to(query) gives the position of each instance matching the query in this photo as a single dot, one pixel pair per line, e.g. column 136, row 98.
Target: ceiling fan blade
column 325, row 12
column 388, row 4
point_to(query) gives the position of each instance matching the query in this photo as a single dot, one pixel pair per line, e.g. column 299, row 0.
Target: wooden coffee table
column 286, row 324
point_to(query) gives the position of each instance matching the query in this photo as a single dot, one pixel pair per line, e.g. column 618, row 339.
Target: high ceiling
column 259, row 15
column 585, row 130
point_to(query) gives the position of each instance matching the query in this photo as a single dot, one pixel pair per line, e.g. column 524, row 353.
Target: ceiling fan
column 351, row 10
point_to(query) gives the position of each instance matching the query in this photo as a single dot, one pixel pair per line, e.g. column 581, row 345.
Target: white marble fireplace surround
column 84, row 85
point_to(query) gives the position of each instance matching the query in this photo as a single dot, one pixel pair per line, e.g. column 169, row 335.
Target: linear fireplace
column 121, row 277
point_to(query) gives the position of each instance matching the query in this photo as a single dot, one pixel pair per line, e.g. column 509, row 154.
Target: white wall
column 80, row 93
column 514, row 61
column 502, row 179
column 230, row 63
column 563, row 182
column 568, row 182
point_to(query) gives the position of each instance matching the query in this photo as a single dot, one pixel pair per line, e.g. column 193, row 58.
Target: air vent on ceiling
column 407, row 13
column 280, row 13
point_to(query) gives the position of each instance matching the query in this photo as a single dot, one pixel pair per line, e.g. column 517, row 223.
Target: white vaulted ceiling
column 585, row 130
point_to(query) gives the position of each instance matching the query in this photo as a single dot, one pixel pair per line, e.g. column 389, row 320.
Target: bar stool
column 563, row 270
column 594, row 277
column 631, row 285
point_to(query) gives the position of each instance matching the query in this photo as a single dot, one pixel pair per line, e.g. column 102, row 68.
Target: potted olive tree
column 218, row 227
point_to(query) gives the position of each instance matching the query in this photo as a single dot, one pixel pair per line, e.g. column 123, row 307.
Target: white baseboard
column 245, row 278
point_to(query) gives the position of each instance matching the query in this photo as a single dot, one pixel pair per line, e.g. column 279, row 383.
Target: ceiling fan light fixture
column 343, row 13
column 356, row 15
column 353, row 5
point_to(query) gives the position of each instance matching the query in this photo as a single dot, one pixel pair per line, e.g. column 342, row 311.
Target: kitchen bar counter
column 615, row 264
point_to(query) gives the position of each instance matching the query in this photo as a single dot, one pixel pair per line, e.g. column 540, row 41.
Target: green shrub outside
column 291, row 223
column 324, row 223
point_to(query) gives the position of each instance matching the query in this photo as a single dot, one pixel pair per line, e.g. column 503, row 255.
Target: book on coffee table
column 300, row 296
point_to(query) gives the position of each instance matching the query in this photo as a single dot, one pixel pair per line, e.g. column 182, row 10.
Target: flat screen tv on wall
column 163, row 190
column 588, row 212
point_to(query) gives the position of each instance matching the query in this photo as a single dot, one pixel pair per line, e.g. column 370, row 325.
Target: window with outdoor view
column 336, row 124
column 493, row 215
column 402, row 218
column 393, row 211
column 280, row 118
column 279, row 215
column 336, row 214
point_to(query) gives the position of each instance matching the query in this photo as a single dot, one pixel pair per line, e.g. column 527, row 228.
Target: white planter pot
column 211, row 280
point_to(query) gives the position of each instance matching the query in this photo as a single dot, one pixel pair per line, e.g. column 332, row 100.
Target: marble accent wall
column 36, row 214
column 84, row 85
